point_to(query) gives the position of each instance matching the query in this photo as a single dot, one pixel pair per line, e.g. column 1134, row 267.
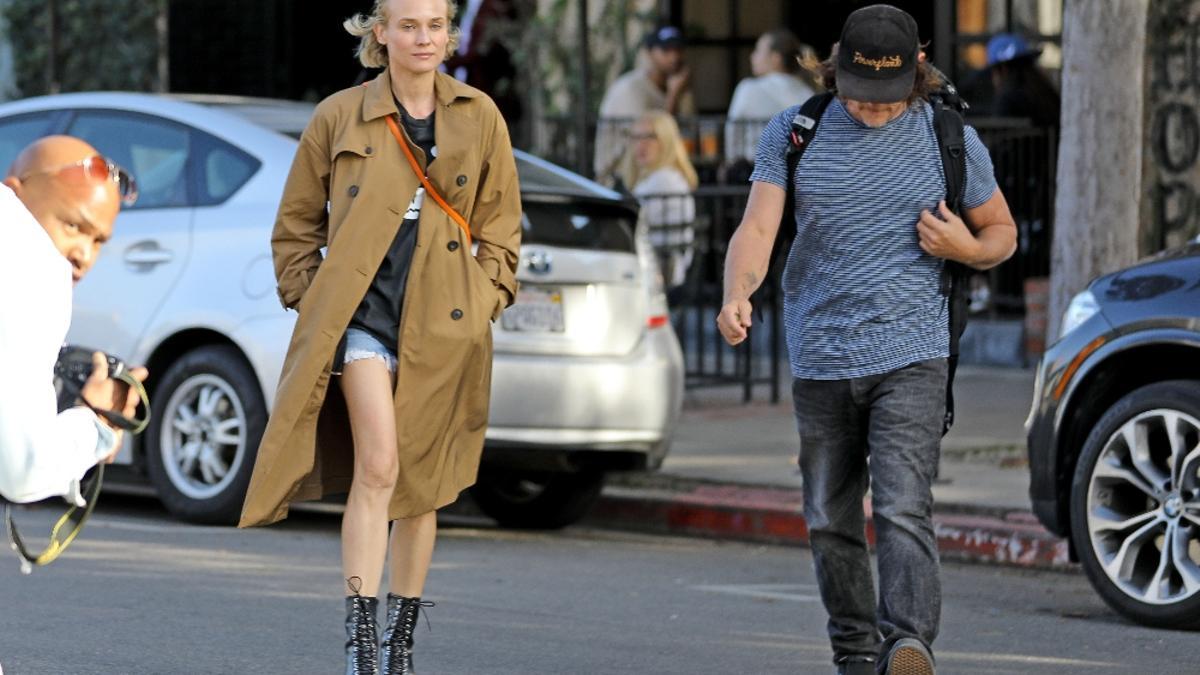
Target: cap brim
column 868, row 90
column 1027, row 54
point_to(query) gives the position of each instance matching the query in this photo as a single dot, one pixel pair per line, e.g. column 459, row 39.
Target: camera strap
column 60, row 536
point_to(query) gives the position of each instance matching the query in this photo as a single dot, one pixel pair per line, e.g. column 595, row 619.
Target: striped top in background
column 860, row 296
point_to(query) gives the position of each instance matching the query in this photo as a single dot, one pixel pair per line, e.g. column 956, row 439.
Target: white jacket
column 43, row 453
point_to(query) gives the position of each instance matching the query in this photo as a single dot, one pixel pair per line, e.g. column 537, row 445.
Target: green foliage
column 102, row 44
column 545, row 49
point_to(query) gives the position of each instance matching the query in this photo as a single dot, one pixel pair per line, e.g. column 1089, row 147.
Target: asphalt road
column 140, row 593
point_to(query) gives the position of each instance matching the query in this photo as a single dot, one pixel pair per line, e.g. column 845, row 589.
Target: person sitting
column 662, row 178
column 662, row 81
column 779, row 81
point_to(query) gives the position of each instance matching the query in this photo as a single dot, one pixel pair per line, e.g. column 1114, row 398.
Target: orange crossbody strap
column 412, row 161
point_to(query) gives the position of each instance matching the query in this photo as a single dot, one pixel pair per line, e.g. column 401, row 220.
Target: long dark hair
column 927, row 79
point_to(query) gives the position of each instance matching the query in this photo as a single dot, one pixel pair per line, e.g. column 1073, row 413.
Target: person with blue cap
column 1022, row 90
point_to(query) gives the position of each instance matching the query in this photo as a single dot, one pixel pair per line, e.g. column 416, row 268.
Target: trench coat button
column 353, row 191
column 452, row 246
column 461, row 180
column 369, row 150
column 456, row 314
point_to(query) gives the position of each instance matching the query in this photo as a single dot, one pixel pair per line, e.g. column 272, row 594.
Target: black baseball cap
column 877, row 55
column 666, row 37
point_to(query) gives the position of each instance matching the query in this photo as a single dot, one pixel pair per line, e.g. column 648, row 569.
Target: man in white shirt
column 57, row 207
column 662, row 82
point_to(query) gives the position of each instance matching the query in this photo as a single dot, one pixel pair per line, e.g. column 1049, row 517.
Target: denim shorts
column 362, row 345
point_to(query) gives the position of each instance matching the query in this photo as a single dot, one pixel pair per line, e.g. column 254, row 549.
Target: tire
column 1125, row 506
column 208, row 419
column 538, row 501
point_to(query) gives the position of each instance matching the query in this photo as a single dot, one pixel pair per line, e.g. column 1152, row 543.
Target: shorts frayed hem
column 353, row 355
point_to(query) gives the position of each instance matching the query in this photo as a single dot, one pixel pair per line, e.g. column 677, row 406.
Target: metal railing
column 695, row 293
column 1024, row 158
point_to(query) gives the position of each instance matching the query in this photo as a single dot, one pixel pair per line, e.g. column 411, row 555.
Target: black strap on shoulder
column 803, row 128
column 950, row 131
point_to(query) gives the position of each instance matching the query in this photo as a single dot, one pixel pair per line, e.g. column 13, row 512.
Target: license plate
column 538, row 309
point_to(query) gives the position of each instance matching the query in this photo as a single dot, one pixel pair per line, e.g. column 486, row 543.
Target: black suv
column 1114, row 437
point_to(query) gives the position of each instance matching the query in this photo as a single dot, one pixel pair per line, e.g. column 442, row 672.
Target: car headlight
column 1083, row 306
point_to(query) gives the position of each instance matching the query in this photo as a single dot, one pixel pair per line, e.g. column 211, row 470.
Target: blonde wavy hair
column 671, row 151
column 374, row 55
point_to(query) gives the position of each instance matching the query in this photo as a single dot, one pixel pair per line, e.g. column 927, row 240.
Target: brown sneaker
column 909, row 657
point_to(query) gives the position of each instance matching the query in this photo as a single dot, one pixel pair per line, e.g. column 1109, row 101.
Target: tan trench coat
column 348, row 158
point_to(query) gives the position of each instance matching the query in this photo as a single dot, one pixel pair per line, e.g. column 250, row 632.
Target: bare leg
column 367, row 386
column 411, row 553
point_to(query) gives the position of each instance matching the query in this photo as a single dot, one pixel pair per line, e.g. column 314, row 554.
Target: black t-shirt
column 379, row 311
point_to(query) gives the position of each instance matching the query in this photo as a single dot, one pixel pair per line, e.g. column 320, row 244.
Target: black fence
column 693, row 251
column 693, row 258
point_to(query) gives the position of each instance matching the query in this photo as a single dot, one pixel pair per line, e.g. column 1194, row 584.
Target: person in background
column 662, row 178
column 779, row 80
column 57, row 206
column 662, row 81
column 1022, row 90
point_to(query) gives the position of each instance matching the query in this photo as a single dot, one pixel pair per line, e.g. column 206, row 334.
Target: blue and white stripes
column 860, row 296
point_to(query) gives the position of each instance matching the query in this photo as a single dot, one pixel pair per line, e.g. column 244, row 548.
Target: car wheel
column 1135, row 505
column 531, row 500
column 209, row 416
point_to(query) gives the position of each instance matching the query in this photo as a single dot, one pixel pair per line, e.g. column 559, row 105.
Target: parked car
column 1114, row 438
column 588, row 373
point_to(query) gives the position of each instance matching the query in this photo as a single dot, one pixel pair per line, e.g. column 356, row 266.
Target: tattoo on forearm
column 750, row 280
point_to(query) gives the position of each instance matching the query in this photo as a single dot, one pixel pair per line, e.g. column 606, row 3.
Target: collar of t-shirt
column 421, row 131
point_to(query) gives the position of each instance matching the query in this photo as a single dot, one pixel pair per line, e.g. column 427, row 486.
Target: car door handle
column 148, row 253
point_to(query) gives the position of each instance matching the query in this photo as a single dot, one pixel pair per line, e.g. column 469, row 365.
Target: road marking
column 792, row 592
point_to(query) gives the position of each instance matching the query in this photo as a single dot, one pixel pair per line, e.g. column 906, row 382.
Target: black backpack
column 948, row 107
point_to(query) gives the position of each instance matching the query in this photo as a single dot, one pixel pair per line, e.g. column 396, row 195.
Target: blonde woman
column 661, row 176
column 384, row 391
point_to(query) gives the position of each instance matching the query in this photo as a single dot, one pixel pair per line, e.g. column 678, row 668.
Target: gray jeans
column 895, row 419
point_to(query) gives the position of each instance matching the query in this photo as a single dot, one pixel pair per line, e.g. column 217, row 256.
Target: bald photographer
column 57, row 207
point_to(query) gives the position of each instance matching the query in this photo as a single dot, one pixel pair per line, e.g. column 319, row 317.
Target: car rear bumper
column 628, row 403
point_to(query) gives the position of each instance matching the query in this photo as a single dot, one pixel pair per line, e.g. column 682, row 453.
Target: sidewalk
column 731, row 473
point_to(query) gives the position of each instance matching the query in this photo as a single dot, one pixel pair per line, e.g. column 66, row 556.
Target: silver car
column 588, row 372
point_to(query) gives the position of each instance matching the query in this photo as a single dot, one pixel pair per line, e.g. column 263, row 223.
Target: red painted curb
column 774, row 515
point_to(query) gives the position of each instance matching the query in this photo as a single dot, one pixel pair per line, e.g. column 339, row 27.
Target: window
column 593, row 226
column 223, row 170
column 19, row 131
column 153, row 150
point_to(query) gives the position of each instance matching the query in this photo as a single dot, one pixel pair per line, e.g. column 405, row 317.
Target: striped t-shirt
column 860, row 296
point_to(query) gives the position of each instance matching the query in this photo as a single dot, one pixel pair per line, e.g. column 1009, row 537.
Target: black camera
column 74, row 367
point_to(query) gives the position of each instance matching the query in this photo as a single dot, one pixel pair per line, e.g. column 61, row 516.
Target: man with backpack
column 883, row 169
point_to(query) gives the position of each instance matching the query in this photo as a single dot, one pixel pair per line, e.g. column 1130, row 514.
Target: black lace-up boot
column 362, row 632
column 396, row 650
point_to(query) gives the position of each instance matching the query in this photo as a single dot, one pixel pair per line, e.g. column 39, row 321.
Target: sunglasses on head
column 97, row 167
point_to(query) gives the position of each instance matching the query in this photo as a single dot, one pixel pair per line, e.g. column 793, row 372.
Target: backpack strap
column 803, row 129
column 950, row 131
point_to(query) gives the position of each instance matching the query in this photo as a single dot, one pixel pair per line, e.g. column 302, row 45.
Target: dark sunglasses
column 97, row 168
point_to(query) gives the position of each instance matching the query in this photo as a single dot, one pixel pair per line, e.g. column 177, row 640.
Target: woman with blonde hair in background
column 396, row 179
column 659, row 173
